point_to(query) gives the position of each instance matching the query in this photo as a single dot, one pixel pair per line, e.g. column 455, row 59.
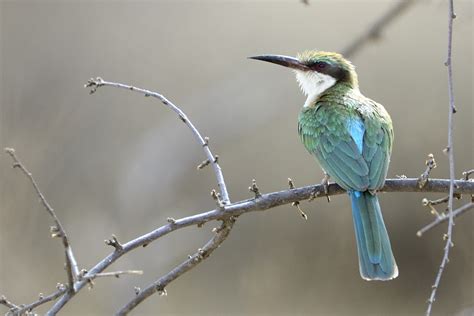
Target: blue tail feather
column 376, row 261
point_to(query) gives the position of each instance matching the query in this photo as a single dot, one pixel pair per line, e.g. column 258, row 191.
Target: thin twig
column 432, row 203
column 72, row 269
column 94, row 84
column 297, row 203
column 115, row 274
column 159, row 286
column 442, row 200
column 374, row 31
column 61, row 289
column 444, row 218
column 265, row 202
column 450, row 150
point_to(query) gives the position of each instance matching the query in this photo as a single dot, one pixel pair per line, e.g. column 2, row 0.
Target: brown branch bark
column 263, row 202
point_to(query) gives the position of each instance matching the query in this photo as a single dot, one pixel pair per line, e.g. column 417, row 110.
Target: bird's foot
column 325, row 184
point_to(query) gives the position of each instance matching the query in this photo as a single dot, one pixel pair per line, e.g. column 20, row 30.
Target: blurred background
column 118, row 163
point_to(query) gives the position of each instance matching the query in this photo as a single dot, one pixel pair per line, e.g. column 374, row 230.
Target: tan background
column 116, row 162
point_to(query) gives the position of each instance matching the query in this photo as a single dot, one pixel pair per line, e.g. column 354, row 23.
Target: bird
column 351, row 136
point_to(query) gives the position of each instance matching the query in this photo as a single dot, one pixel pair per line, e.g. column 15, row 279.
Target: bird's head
column 317, row 71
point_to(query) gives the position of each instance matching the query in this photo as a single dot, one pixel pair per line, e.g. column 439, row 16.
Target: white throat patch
column 313, row 84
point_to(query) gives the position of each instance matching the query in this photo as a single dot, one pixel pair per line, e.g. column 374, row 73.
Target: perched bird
column 351, row 136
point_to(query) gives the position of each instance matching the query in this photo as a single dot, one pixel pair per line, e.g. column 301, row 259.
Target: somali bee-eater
column 351, row 137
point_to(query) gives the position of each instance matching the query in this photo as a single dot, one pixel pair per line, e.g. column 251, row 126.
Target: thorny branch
column 159, row 286
column 224, row 212
column 450, row 152
column 264, row 202
column 22, row 310
column 98, row 82
column 57, row 230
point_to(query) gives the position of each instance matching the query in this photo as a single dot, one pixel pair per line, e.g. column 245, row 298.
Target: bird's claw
column 325, row 184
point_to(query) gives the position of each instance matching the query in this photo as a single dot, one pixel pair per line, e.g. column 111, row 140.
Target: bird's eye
column 321, row 65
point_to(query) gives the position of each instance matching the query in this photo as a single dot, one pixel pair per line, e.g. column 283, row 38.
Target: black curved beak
column 285, row 61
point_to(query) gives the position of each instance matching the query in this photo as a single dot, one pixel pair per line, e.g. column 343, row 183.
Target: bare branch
column 264, row 202
column 192, row 261
column 374, row 31
column 94, row 84
column 57, row 230
column 432, row 203
column 115, row 274
column 61, row 289
column 441, row 219
column 450, row 150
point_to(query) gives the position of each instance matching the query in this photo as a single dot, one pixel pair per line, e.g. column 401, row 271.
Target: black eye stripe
column 323, row 67
column 321, row 64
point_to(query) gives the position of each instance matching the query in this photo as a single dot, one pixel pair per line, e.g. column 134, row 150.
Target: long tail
column 376, row 261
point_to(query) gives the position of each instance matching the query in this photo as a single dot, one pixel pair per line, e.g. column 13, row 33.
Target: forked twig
column 159, row 286
column 61, row 289
column 441, row 219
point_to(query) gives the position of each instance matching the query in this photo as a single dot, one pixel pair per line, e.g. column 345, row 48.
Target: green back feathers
column 324, row 132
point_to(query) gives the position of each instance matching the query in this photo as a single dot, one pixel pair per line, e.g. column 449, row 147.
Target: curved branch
column 263, row 202
column 204, row 142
